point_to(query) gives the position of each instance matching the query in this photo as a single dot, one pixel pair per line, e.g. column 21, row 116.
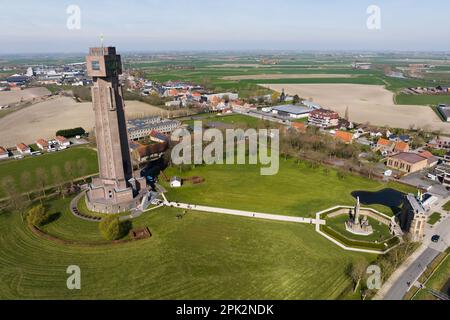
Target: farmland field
column 202, row 256
column 9, row 97
column 42, row 120
column 366, row 103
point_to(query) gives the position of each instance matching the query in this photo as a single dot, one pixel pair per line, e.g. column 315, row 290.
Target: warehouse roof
column 289, row 108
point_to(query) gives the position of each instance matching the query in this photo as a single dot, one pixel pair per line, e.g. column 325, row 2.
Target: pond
column 387, row 197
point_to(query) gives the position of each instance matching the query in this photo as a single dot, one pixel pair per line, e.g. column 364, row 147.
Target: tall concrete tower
column 115, row 190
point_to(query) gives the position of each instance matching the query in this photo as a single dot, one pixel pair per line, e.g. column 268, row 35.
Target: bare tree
column 70, row 172
column 15, row 200
column 82, row 167
column 41, row 179
column 356, row 272
column 25, row 182
column 57, row 178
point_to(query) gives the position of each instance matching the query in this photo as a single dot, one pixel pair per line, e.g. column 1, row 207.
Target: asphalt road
column 411, row 275
column 413, row 272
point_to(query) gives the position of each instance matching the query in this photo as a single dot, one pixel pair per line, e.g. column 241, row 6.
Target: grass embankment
column 381, row 246
column 436, row 277
column 201, row 256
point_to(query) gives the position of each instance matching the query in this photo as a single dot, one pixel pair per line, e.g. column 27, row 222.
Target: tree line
column 19, row 191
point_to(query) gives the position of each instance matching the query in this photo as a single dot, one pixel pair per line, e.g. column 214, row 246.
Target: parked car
column 435, row 238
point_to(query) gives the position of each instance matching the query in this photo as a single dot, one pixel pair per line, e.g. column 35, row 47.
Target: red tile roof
column 426, row 154
column 300, row 126
column 42, row 142
column 384, row 142
column 344, row 136
column 3, row 150
column 401, row 146
column 61, row 139
column 22, row 146
column 409, row 157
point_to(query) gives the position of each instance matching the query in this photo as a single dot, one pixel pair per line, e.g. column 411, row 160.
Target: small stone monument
column 355, row 224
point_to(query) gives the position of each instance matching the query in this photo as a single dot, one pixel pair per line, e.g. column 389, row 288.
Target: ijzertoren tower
column 116, row 189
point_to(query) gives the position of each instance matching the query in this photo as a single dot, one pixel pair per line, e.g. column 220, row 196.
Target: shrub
column 70, row 133
column 112, row 229
column 37, row 216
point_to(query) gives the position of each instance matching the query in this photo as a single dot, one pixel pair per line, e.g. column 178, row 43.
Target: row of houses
column 388, row 147
column 21, row 149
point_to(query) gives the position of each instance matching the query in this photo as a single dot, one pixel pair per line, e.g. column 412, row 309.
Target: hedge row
column 70, row 133
column 359, row 244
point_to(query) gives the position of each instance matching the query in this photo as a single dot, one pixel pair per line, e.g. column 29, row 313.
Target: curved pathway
column 76, row 213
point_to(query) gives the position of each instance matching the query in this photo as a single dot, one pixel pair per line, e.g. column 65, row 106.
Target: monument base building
column 108, row 197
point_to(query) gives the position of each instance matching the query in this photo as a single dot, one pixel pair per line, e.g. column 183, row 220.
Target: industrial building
column 444, row 110
column 292, row 111
column 142, row 128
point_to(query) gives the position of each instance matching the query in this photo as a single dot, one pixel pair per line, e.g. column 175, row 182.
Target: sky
column 30, row 26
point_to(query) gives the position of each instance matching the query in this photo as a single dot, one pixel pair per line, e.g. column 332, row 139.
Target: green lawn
column 15, row 168
column 446, row 206
column 67, row 226
column 380, row 231
column 202, row 256
column 237, row 120
column 422, row 99
column 434, row 218
column 296, row 190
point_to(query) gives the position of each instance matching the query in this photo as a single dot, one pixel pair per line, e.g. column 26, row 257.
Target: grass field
column 15, row 168
column 202, row 256
column 296, row 190
column 438, row 281
column 426, row 100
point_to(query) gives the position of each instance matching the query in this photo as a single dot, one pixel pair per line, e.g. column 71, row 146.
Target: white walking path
column 256, row 215
column 274, row 217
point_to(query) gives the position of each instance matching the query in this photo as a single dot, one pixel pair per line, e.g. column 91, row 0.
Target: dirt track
column 42, row 120
column 366, row 103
